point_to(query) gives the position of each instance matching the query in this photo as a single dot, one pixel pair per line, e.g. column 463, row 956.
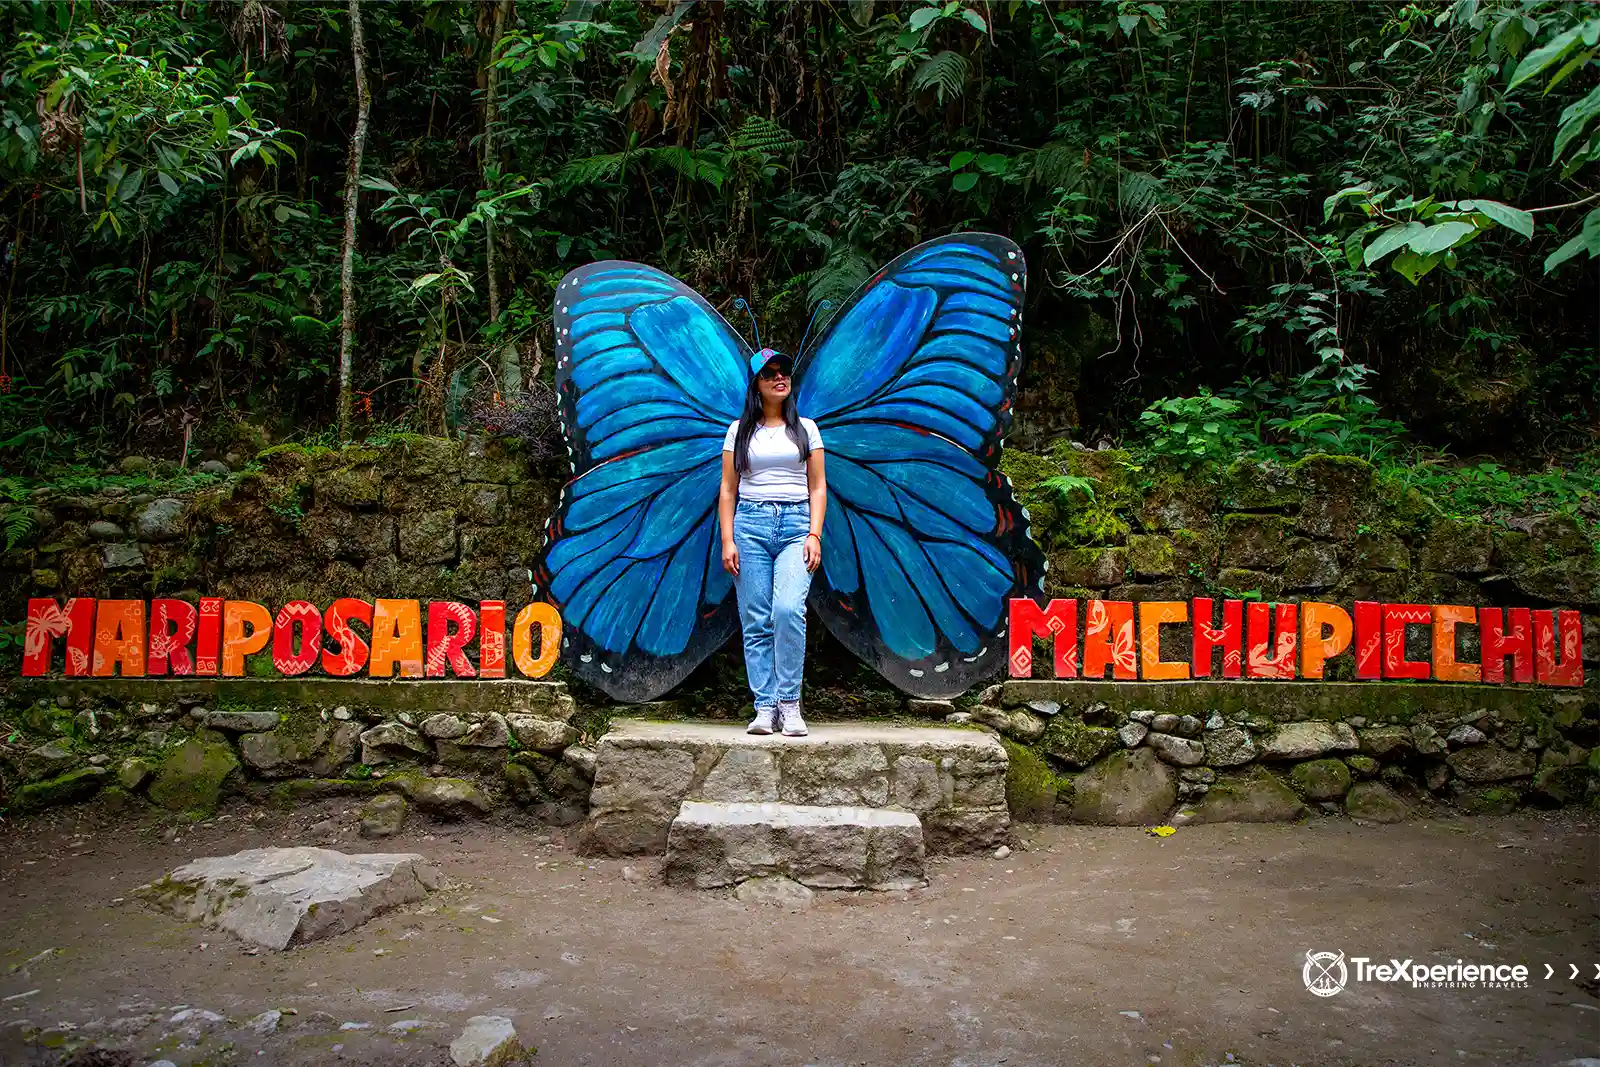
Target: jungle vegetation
column 1254, row 227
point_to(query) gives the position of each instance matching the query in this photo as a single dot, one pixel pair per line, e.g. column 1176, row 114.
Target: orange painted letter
column 1108, row 639
column 396, row 639
column 246, row 629
column 119, row 635
column 1445, row 667
column 1152, row 613
column 1324, row 633
column 548, row 620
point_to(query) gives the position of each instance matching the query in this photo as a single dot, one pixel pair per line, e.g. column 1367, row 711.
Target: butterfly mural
column 911, row 384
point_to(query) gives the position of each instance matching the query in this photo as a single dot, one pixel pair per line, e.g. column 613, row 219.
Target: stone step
column 713, row 844
column 952, row 779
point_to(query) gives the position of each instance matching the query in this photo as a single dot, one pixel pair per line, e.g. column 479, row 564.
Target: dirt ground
column 1085, row 946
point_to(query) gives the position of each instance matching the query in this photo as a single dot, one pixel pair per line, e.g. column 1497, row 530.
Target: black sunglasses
column 770, row 372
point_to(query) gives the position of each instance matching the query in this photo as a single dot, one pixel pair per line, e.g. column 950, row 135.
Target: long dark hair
column 751, row 418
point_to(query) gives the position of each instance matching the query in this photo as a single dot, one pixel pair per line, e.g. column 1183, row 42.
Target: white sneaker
column 762, row 723
column 793, row 724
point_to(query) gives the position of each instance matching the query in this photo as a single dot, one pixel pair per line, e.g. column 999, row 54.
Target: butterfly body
column 911, row 385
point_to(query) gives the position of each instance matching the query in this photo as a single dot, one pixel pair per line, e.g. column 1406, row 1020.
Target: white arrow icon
column 1548, row 971
column 1574, row 967
column 1597, row 970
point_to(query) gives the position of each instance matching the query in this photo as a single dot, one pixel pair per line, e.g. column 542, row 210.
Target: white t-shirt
column 776, row 472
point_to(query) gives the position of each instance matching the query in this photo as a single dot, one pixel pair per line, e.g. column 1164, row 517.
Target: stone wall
column 450, row 749
column 431, row 519
column 420, row 517
column 1135, row 753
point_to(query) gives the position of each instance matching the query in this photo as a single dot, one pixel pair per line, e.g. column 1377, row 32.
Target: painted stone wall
column 1323, row 529
column 421, row 517
column 436, row 519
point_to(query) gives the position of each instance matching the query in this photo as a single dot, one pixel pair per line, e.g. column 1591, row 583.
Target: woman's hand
column 730, row 558
column 812, row 551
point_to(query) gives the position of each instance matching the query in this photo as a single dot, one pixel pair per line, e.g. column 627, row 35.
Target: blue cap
column 767, row 355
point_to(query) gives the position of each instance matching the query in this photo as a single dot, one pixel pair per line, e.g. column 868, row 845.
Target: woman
column 771, row 506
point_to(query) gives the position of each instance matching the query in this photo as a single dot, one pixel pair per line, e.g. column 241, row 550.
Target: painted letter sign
column 102, row 638
column 1256, row 640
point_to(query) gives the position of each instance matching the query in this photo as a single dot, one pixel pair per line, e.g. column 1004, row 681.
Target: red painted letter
column 172, row 626
column 445, row 641
column 1280, row 661
column 1568, row 669
column 284, row 657
column 47, row 621
column 1058, row 619
column 492, row 639
column 1498, row 643
column 352, row 652
column 1207, row 638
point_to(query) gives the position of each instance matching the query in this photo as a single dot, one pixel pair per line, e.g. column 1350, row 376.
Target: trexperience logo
column 1326, row 974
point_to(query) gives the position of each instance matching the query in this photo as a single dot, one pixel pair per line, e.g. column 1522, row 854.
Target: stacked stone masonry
column 952, row 780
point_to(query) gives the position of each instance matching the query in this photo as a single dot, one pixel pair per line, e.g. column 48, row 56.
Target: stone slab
column 720, row 844
column 1286, row 701
column 953, row 779
column 474, row 697
column 279, row 897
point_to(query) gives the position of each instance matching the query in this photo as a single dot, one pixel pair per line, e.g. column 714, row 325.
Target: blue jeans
column 772, row 587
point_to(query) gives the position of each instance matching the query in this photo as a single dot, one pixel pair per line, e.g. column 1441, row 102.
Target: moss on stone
column 1026, row 470
column 1490, row 800
column 192, row 777
column 1032, row 788
column 297, row 791
column 1322, row 779
column 1152, row 556
column 62, row 789
column 1067, row 739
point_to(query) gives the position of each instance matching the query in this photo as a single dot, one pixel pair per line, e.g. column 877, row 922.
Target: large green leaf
column 1573, row 120
column 1585, row 240
column 1394, row 237
column 1510, row 217
column 1440, row 238
column 1544, row 56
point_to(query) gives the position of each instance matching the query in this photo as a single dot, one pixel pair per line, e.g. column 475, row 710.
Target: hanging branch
column 352, row 193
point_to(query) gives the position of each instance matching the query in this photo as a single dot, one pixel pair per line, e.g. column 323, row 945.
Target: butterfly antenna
column 824, row 306
column 744, row 305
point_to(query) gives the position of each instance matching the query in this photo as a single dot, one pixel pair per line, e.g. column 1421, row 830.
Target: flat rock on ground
column 277, row 897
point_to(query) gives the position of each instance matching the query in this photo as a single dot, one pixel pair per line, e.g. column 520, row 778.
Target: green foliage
column 173, row 177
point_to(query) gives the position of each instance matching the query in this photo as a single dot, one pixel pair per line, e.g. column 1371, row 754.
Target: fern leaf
column 19, row 523
column 757, row 134
column 591, row 170
column 1059, row 166
column 841, row 274
column 945, row 73
column 1138, row 192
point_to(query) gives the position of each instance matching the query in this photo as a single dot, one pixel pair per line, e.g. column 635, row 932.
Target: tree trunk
column 508, row 370
column 352, row 194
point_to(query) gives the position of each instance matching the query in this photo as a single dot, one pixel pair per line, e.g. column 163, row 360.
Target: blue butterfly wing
column 649, row 377
column 911, row 386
